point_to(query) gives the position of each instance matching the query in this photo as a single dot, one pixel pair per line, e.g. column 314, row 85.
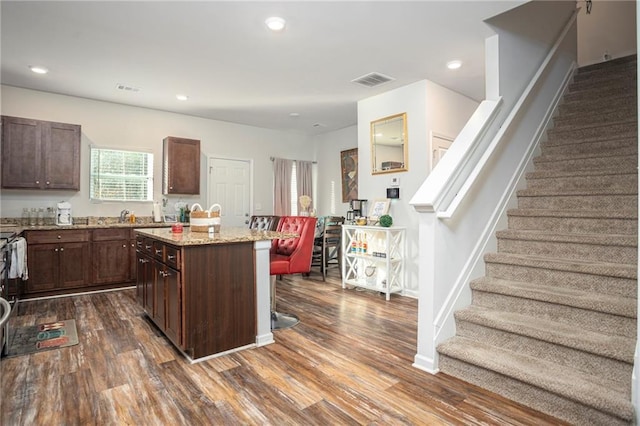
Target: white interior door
column 439, row 146
column 230, row 186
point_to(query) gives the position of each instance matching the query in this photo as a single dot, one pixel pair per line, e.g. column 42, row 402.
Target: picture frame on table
column 379, row 208
column 170, row 218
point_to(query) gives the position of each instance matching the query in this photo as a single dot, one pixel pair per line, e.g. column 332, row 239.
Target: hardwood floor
column 347, row 362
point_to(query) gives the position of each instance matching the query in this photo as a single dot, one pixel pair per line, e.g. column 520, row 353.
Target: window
column 121, row 175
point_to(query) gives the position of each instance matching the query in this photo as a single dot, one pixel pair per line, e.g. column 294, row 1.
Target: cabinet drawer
column 110, row 234
column 57, row 236
column 158, row 251
column 172, row 257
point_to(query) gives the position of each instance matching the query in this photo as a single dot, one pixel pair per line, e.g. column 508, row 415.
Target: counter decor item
column 177, row 228
column 386, row 220
column 201, row 219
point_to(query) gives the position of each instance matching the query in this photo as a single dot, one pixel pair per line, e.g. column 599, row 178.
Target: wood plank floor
column 348, row 362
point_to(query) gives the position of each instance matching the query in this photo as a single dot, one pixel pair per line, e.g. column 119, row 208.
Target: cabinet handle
column 142, row 260
column 124, row 246
column 38, row 182
column 164, row 274
column 171, row 257
column 147, row 247
column 61, row 248
column 48, row 183
column 158, row 251
column 55, row 250
column 59, row 236
column 133, row 245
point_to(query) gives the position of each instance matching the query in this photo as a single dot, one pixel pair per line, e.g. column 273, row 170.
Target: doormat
column 42, row 337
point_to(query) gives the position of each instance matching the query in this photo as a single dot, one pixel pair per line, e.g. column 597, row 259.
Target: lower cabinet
column 111, row 256
column 58, row 260
column 159, row 287
column 202, row 297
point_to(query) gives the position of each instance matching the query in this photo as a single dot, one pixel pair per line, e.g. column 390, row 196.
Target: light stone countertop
column 225, row 236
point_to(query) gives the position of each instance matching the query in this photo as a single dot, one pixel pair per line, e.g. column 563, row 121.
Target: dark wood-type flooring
column 349, row 361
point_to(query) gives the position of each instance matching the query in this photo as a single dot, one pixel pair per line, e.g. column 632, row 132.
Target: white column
column 264, row 335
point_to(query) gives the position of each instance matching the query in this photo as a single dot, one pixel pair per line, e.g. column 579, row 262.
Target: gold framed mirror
column 389, row 144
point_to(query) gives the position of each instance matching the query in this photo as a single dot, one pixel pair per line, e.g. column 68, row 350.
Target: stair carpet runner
column 552, row 325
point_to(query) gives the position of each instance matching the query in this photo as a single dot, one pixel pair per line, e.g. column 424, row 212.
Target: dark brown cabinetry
column 58, row 260
column 40, row 154
column 181, row 166
column 159, row 286
column 203, row 296
column 111, row 253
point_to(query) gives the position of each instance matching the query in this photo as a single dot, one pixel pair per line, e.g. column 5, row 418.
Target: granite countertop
column 225, row 236
column 20, row 228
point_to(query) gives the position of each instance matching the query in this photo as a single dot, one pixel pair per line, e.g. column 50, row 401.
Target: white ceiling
column 232, row 68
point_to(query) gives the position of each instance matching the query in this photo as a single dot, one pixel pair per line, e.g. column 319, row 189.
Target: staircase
column 552, row 325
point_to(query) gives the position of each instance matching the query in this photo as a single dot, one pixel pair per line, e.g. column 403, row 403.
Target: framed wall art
column 349, row 168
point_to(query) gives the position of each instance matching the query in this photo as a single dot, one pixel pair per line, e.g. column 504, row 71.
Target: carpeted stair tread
column 595, row 132
column 611, row 156
column 605, row 103
column 612, row 139
column 561, row 380
column 552, row 174
column 569, row 265
column 593, row 214
column 615, row 347
column 607, row 115
column 566, row 237
column 610, row 304
column 555, row 192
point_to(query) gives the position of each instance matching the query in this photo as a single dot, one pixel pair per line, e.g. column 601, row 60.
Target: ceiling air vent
column 373, row 79
column 127, row 88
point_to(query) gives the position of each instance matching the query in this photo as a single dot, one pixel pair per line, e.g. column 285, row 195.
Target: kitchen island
column 209, row 295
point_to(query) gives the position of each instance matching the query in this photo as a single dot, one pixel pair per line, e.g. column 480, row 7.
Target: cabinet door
column 181, row 166
column 173, row 293
column 111, row 261
column 21, row 153
column 158, row 294
column 61, row 145
column 132, row 261
column 143, row 267
column 149, row 285
column 44, row 266
column 75, row 265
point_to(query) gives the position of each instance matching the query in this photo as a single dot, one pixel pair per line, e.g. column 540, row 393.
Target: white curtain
column 282, row 186
column 303, row 180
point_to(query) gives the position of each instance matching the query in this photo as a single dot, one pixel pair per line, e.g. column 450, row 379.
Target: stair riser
column 618, row 130
column 604, row 91
column 616, row 146
column 589, row 163
column 577, row 224
column 585, row 82
column 593, row 106
column 574, row 251
column 609, row 69
column 537, row 398
column 582, row 318
column 599, row 366
column 626, row 287
column 575, row 120
column 617, row 183
column 579, row 202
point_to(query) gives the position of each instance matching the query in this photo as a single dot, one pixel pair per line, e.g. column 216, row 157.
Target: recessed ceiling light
column 38, row 70
column 454, row 65
column 294, row 114
column 182, row 97
column 275, row 23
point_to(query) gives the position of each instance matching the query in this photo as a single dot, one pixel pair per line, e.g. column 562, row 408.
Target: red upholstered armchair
column 290, row 256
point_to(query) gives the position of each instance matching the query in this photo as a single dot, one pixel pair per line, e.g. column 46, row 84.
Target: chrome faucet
column 123, row 215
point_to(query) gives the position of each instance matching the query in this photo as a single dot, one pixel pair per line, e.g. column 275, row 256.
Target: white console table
column 373, row 258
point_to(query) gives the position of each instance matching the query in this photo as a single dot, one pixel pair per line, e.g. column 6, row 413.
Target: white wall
column 327, row 148
column 429, row 108
column 119, row 126
column 610, row 28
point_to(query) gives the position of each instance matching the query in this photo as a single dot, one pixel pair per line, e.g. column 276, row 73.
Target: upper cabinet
column 40, row 154
column 180, row 166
